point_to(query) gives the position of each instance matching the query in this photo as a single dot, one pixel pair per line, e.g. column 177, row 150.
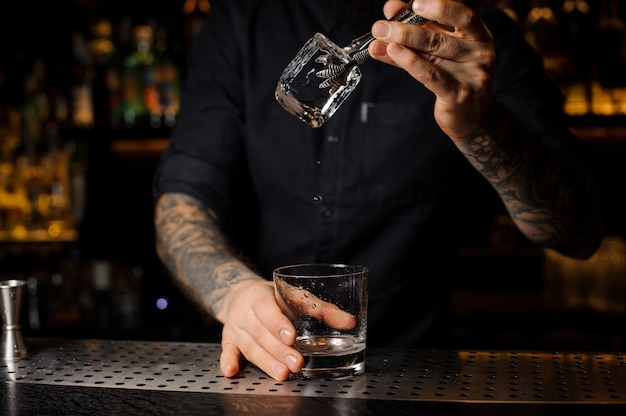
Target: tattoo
column 194, row 249
column 550, row 197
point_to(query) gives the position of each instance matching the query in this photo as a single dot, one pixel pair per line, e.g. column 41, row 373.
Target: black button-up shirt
column 375, row 185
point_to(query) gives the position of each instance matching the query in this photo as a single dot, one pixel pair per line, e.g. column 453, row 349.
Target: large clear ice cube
column 304, row 89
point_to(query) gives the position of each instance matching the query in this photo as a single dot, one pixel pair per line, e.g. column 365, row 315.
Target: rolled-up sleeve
column 204, row 156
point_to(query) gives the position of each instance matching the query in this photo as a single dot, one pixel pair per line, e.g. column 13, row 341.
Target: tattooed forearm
column 194, row 249
column 551, row 198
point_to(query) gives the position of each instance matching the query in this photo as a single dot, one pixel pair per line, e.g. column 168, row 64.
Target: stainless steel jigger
column 12, row 295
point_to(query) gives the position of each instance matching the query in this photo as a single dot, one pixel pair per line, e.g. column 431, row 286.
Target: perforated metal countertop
column 391, row 374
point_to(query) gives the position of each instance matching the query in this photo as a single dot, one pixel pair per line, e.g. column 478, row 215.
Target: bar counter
column 118, row 377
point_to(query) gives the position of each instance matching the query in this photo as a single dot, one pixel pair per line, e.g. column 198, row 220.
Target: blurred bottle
column 30, row 177
column 77, row 152
column 34, row 170
column 577, row 27
column 611, row 31
column 9, row 132
column 167, row 82
column 55, row 166
column 507, row 7
column 578, row 30
column 81, row 83
column 56, row 161
column 139, row 98
column 34, row 320
column 11, row 202
column 610, row 58
column 101, row 288
column 124, row 46
column 106, row 86
column 543, row 33
column 34, row 109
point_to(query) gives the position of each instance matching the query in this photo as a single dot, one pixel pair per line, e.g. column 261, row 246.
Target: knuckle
column 488, row 58
column 405, row 35
column 435, row 42
column 464, row 94
column 430, row 75
column 482, row 79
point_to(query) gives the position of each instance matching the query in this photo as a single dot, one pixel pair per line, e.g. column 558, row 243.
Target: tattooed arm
column 551, row 198
column 193, row 248
column 196, row 252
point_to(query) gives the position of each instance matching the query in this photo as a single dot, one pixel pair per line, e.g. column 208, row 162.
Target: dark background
column 492, row 309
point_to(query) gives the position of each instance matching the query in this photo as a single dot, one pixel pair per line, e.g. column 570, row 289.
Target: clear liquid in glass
column 337, row 356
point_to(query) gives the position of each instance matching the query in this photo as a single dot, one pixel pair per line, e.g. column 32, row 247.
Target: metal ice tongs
column 357, row 50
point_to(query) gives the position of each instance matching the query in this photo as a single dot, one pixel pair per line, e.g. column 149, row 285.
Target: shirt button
column 317, row 198
column 332, row 139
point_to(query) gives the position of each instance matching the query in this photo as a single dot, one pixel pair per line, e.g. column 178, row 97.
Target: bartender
column 245, row 187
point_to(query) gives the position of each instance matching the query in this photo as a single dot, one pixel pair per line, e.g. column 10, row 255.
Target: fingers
column 448, row 63
column 304, row 302
column 261, row 348
column 324, row 311
column 229, row 359
column 448, row 15
column 255, row 329
column 456, row 36
column 338, row 319
column 456, row 65
column 433, row 41
column 452, row 14
column 424, row 64
column 393, row 7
